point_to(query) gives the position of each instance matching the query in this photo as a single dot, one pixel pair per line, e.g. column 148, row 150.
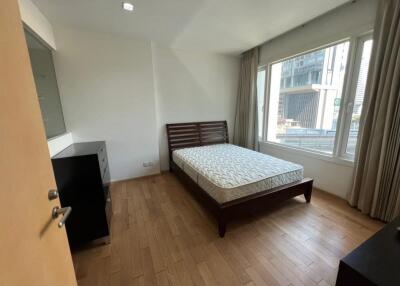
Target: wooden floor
column 161, row 236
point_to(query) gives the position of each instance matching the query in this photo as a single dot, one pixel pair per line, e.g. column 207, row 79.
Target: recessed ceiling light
column 128, row 6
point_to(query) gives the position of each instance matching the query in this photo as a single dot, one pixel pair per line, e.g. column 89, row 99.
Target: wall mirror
column 46, row 85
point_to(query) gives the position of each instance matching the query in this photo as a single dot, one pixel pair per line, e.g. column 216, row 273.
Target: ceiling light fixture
column 128, row 6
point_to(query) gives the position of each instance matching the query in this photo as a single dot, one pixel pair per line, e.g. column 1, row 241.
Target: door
column 33, row 249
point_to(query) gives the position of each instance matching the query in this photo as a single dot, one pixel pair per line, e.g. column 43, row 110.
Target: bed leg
column 307, row 195
column 221, row 228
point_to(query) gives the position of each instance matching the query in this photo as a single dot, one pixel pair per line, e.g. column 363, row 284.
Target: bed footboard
column 226, row 212
column 262, row 201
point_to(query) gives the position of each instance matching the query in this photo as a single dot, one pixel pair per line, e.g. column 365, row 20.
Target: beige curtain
column 376, row 188
column 245, row 132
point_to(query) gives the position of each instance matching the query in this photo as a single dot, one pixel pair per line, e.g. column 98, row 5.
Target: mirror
column 46, row 85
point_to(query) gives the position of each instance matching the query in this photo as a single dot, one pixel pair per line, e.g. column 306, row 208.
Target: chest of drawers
column 374, row 262
column 83, row 177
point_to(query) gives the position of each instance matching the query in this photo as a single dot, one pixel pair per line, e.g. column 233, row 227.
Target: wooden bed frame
column 184, row 135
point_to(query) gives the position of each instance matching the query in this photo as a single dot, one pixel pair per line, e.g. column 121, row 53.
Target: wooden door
column 33, row 249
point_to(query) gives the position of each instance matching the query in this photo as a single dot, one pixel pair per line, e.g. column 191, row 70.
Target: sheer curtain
column 245, row 132
column 376, row 187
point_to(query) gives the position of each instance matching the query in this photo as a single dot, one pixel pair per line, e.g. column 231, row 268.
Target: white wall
column 37, row 22
column 125, row 91
column 193, row 86
column 332, row 175
column 329, row 175
column 107, row 88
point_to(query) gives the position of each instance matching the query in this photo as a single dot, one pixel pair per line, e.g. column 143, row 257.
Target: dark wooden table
column 375, row 262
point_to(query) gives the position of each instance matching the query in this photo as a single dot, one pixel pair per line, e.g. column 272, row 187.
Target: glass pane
column 260, row 100
column 359, row 97
column 46, row 86
column 305, row 98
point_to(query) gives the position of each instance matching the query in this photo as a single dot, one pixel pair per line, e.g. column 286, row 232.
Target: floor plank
column 161, row 236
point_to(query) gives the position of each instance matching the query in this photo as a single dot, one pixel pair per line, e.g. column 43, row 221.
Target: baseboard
column 136, row 178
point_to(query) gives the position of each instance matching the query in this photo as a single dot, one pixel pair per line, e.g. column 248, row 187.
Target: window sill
column 316, row 155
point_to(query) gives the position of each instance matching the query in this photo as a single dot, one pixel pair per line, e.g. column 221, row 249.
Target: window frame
column 346, row 112
column 339, row 154
column 265, row 103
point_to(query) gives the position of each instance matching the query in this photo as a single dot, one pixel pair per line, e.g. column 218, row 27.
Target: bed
column 228, row 180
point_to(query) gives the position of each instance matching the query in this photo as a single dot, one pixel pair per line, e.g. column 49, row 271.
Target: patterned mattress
column 229, row 172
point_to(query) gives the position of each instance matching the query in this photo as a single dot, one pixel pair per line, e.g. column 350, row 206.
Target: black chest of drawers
column 82, row 177
column 374, row 262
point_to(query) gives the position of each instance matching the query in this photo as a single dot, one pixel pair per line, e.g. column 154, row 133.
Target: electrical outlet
column 148, row 164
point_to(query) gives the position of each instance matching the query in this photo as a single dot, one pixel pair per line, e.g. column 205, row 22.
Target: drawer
column 105, row 175
column 102, row 149
column 108, row 209
column 103, row 170
column 103, row 160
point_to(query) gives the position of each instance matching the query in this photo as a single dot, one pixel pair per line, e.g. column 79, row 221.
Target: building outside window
column 304, row 108
column 306, row 94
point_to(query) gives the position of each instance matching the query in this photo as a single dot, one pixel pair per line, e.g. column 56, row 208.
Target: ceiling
column 222, row 26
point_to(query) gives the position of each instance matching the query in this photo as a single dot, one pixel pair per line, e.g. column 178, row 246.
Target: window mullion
column 342, row 125
column 266, row 105
column 264, row 120
column 355, row 73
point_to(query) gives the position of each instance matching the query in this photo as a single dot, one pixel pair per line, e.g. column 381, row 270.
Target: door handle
column 64, row 211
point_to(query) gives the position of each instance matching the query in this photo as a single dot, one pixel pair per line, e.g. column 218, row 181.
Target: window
column 260, row 100
column 359, row 96
column 309, row 103
column 46, row 86
column 304, row 111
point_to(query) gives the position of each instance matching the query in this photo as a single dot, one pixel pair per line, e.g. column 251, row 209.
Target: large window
column 315, row 99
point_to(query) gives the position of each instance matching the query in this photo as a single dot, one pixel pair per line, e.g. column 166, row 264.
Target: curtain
column 245, row 132
column 376, row 187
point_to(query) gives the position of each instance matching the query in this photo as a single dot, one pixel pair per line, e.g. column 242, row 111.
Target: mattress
column 228, row 172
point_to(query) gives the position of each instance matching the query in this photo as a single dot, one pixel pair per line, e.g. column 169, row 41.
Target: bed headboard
column 192, row 134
